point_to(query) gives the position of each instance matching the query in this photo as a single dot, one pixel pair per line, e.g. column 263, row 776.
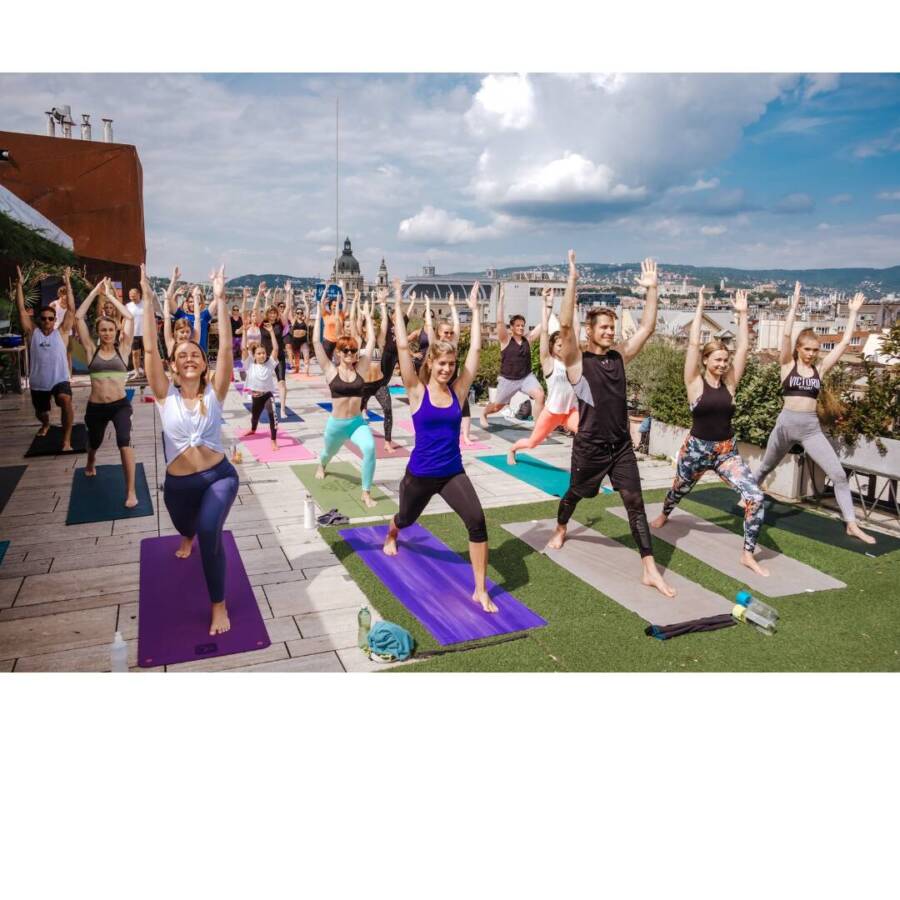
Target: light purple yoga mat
column 174, row 607
column 435, row 585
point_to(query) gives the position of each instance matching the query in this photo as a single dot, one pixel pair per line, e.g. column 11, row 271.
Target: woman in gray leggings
column 798, row 422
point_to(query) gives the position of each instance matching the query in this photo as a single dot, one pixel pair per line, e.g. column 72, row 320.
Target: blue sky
column 468, row 171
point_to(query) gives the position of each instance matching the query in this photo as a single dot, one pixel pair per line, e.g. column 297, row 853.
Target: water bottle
column 758, row 609
column 744, row 614
column 236, row 456
column 364, row 618
column 309, row 512
column 471, row 396
column 118, row 654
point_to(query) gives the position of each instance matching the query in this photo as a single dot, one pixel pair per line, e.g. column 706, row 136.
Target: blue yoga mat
column 373, row 417
column 288, row 416
column 542, row 475
column 397, row 389
column 435, row 585
column 129, row 394
column 4, row 546
column 102, row 497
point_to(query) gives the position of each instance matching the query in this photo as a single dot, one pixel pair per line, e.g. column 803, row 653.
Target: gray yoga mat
column 615, row 570
column 721, row 549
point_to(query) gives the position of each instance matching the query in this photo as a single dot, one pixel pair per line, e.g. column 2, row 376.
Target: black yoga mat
column 9, row 478
column 102, row 497
column 51, row 443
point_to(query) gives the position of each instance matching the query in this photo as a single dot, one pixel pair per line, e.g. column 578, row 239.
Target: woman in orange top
column 333, row 317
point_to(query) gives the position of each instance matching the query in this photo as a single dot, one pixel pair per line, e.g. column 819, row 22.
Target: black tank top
column 602, row 406
column 515, row 360
column 299, row 325
column 797, row 385
column 712, row 414
column 278, row 328
column 390, row 339
column 341, row 388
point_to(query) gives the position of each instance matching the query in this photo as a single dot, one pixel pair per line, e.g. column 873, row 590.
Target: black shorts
column 137, row 345
column 591, row 465
column 98, row 415
column 328, row 347
column 281, row 369
column 41, row 399
column 297, row 344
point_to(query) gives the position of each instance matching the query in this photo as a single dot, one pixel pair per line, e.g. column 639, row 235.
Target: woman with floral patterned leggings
column 711, row 380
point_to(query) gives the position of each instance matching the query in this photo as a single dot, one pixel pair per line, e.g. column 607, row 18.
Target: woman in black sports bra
column 798, row 422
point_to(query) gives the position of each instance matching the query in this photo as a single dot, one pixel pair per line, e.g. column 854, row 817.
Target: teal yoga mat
column 513, row 433
column 542, row 475
column 798, row 521
column 4, row 546
column 102, row 497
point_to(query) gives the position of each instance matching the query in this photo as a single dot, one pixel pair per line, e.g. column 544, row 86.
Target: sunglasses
column 47, row 318
column 347, row 351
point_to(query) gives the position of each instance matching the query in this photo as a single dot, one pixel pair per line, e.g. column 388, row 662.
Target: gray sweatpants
column 804, row 428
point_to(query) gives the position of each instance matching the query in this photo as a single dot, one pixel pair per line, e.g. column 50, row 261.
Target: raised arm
column 170, row 293
column 544, row 331
column 787, row 339
column 649, row 280
column 412, row 303
column 355, row 318
column 739, row 363
column 693, row 380
column 325, row 363
column 288, row 305
column 80, row 324
column 370, row 331
column 127, row 317
column 383, row 328
column 834, row 355
column 429, row 322
column 454, row 317
column 156, row 376
column 407, row 369
column 24, row 318
column 502, row 333
column 568, row 327
column 68, row 322
column 225, row 360
column 260, row 292
column 470, row 369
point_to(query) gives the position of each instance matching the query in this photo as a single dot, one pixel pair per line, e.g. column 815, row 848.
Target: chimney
column 85, row 126
column 107, row 131
column 67, row 126
column 51, row 124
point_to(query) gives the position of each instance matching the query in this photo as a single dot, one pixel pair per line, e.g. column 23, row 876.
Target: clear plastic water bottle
column 757, row 608
column 364, row 618
column 118, row 654
column 744, row 614
column 309, row 512
column 472, row 396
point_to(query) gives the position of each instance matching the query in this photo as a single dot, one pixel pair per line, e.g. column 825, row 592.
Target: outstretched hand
column 649, row 277
column 217, row 277
column 21, row 276
column 572, row 269
column 856, row 303
column 740, row 301
column 796, row 299
column 472, row 299
column 176, row 275
column 700, row 297
column 547, row 294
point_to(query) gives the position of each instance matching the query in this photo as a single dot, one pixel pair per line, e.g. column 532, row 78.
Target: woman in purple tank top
column 435, row 466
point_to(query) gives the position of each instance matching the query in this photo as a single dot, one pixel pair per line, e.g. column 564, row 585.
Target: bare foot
column 483, row 420
column 558, row 539
column 249, row 432
column 855, row 531
column 367, row 500
column 748, row 561
column 484, row 599
column 90, row 472
column 220, row 622
column 467, row 441
column 511, row 458
column 390, row 544
column 652, row 578
column 274, row 445
column 659, row 521
column 42, row 431
column 390, row 447
column 320, row 472
column 67, row 447
column 184, row 551
column 131, row 501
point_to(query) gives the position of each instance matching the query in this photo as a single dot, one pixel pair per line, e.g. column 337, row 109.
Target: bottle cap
column 743, row 597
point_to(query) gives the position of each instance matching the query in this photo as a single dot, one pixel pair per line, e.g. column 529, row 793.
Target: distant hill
column 252, row 281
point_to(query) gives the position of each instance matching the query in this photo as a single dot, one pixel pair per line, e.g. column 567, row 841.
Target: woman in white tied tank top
column 561, row 407
column 201, row 483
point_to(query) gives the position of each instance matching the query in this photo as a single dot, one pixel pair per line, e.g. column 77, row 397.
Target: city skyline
column 475, row 171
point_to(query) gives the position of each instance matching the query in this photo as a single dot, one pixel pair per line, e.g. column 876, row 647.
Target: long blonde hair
column 435, row 349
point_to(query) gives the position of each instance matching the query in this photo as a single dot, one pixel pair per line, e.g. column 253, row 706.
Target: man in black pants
column 603, row 444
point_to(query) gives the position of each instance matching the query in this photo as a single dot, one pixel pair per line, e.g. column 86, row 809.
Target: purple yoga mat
column 173, row 611
column 435, row 585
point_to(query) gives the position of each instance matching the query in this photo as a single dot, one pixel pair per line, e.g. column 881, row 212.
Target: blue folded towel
column 388, row 639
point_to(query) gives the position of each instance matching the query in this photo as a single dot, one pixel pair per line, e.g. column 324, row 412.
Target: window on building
column 855, row 341
column 821, row 329
column 828, row 345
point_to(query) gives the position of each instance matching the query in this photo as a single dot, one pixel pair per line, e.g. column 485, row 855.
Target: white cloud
column 889, row 195
column 437, row 226
column 890, row 219
column 820, row 83
column 839, row 199
column 503, row 101
column 888, row 143
column 320, row 234
column 713, row 230
column 795, row 203
column 698, row 185
column 823, row 226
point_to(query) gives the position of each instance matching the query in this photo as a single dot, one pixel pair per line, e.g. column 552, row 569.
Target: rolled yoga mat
column 380, row 452
column 407, row 425
column 435, row 584
column 289, row 415
column 174, row 607
column 373, row 417
column 721, row 549
column 9, row 479
column 289, row 448
column 542, row 475
column 513, row 433
column 341, row 489
column 51, row 443
column 101, row 498
column 615, row 570
column 797, row 520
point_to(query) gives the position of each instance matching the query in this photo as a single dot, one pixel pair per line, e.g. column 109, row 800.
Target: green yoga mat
column 542, row 475
column 341, row 488
column 9, row 478
column 512, row 433
column 798, row 521
column 102, row 497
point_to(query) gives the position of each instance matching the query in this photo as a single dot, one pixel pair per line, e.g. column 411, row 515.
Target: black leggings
column 258, row 403
column 388, row 364
column 98, row 415
column 589, row 467
column 457, row 491
column 383, row 396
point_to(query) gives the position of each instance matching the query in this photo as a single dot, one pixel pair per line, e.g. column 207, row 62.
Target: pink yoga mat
column 407, row 425
column 289, row 448
column 380, row 452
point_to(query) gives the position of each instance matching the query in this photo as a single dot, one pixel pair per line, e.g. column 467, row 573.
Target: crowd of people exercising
column 586, row 394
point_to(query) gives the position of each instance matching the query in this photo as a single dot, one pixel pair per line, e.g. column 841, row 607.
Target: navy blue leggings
column 198, row 504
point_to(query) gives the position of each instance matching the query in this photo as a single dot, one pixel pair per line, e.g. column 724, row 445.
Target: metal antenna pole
column 337, row 179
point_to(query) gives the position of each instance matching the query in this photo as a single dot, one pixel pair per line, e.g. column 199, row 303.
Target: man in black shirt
column 603, row 444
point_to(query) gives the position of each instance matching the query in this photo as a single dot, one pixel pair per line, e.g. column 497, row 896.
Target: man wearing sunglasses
column 48, row 357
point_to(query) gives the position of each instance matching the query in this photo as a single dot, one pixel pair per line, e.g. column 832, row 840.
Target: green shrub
column 758, row 402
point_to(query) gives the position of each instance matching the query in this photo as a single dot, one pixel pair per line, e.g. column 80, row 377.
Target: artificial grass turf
column 856, row 628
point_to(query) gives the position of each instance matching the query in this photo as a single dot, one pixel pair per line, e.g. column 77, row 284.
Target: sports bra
column 183, row 428
column 253, row 334
column 114, row 367
column 797, row 385
column 341, row 388
column 712, row 413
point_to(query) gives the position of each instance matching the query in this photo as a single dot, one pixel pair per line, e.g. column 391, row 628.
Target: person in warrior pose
column 260, row 383
column 436, row 466
column 48, row 362
column 376, row 384
column 561, row 407
column 602, row 445
column 300, row 337
column 333, row 316
column 108, row 368
column 515, row 366
column 201, row 484
column 711, row 378
column 182, row 328
column 347, row 386
column 237, row 329
column 274, row 338
column 798, row 422
column 136, row 308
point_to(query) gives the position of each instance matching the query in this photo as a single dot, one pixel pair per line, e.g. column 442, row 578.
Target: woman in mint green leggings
column 347, row 386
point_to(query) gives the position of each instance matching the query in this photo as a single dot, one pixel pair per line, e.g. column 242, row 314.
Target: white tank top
column 261, row 377
column 560, row 394
column 183, row 428
column 49, row 361
column 252, row 335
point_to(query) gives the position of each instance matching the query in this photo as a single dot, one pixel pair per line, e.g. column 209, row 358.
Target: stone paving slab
column 62, row 631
